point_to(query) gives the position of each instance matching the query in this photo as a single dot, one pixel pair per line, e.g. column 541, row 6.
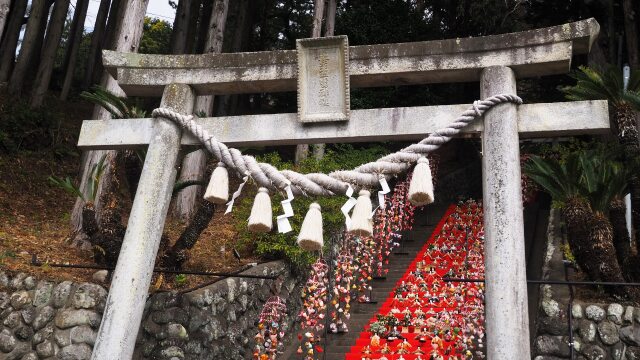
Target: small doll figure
column 375, row 341
column 422, row 336
column 404, row 347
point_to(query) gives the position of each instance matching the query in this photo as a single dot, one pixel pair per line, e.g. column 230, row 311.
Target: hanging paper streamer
column 236, row 194
column 385, row 190
column 351, row 202
column 283, row 220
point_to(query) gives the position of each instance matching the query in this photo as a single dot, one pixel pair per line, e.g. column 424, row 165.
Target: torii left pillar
column 132, row 276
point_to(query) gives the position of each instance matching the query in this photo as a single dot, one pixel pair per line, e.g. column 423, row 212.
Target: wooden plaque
column 323, row 79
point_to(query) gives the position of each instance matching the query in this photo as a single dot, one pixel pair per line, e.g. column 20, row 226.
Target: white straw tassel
column 361, row 221
column 260, row 219
column 218, row 189
column 421, row 186
column 310, row 237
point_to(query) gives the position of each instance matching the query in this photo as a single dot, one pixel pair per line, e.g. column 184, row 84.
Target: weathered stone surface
column 551, row 345
column 595, row 313
column 44, row 315
column 633, row 353
column 21, row 349
column 75, row 352
column 17, row 282
column 587, row 331
column 30, row 356
column 13, row 319
column 67, row 318
column 608, row 332
column 171, row 353
column 62, row 337
column 29, row 283
column 61, row 293
column 100, row 276
column 576, row 311
column 628, row 315
column 176, row 315
column 593, row 352
column 630, row 334
column 4, row 280
column 615, row 312
column 43, row 293
column 88, row 296
column 176, row 331
column 43, row 334
column 553, row 326
column 28, row 314
column 83, row 334
column 617, row 351
column 550, row 307
column 5, row 300
column 20, row 299
column 23, row 332
column 46, row 349
column 7, row 341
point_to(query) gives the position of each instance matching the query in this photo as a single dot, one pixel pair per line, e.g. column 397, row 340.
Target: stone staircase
column 338, row 345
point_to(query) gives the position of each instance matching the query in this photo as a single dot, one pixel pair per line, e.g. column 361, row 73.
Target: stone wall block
column 551, row 345
column 17, row 282
column 576, row 311
column 615, row 313
column 43, row 316
column 593, row 352
column 20, row 299
column 595, row 313
column 608, row 332
column 30, row 356
column 43, row 334
column 83, row 335
column 553, row 326
column 20, row 350
column 175, row 314
column 5, row 300
column 61, row 293
column 62, row 337
column 43, row 293
column 24, row 332
column 13, row 320
column 4, row 280
column 627, row 318
column 28, row 314
column 69, row 317
column 46, row 349
column 630, row 334
column 75, row 352
column 7, row 341
column 633, row 353
column 89, row 296
column 617, row 351
column 29, row 283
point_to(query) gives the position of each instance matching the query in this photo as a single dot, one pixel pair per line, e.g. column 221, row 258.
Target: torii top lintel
column 538, row 52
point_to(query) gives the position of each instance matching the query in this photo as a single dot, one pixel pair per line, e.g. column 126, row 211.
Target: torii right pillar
column 507, row 321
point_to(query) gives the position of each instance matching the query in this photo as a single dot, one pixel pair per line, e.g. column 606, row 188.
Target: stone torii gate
column 327, row 68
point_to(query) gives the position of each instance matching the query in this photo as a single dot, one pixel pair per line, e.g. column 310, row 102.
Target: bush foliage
column 274, row 245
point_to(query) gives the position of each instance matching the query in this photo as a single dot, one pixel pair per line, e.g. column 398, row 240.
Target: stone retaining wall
column 600, row 331
column 46, row 320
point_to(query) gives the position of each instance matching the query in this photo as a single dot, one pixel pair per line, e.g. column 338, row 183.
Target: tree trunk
column 96, row 43
column 578, row 214
column 109, row 40
column 302, row 150
column 631, row 33
column 4, row 14
column 54, row 33
column 180, row 25
column 28, row 47
column 37, row 52
column 192, row 28
column 194, row 163
column 621, row 240
column 10, row 39
column 203, row 26
column 74, row 45
column 128, row 35
column 177, row 255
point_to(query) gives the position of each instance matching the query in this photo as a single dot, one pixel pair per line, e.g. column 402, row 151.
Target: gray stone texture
column 60, row 320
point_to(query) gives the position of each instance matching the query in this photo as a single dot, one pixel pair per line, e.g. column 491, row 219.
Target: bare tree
column 29, row 43
column 128, row 33
column 4, row 13
column 10, row 39
column 631, row 33
column 194, row 164
column 96, row 42
column 77, row 29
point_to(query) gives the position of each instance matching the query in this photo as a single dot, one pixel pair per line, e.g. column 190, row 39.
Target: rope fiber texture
column 366, row 176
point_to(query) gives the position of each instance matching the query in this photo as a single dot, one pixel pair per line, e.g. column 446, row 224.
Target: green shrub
column 283, row 246
column 26, row 128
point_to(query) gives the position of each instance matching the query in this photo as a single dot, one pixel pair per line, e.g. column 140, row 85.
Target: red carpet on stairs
column 426, row 317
